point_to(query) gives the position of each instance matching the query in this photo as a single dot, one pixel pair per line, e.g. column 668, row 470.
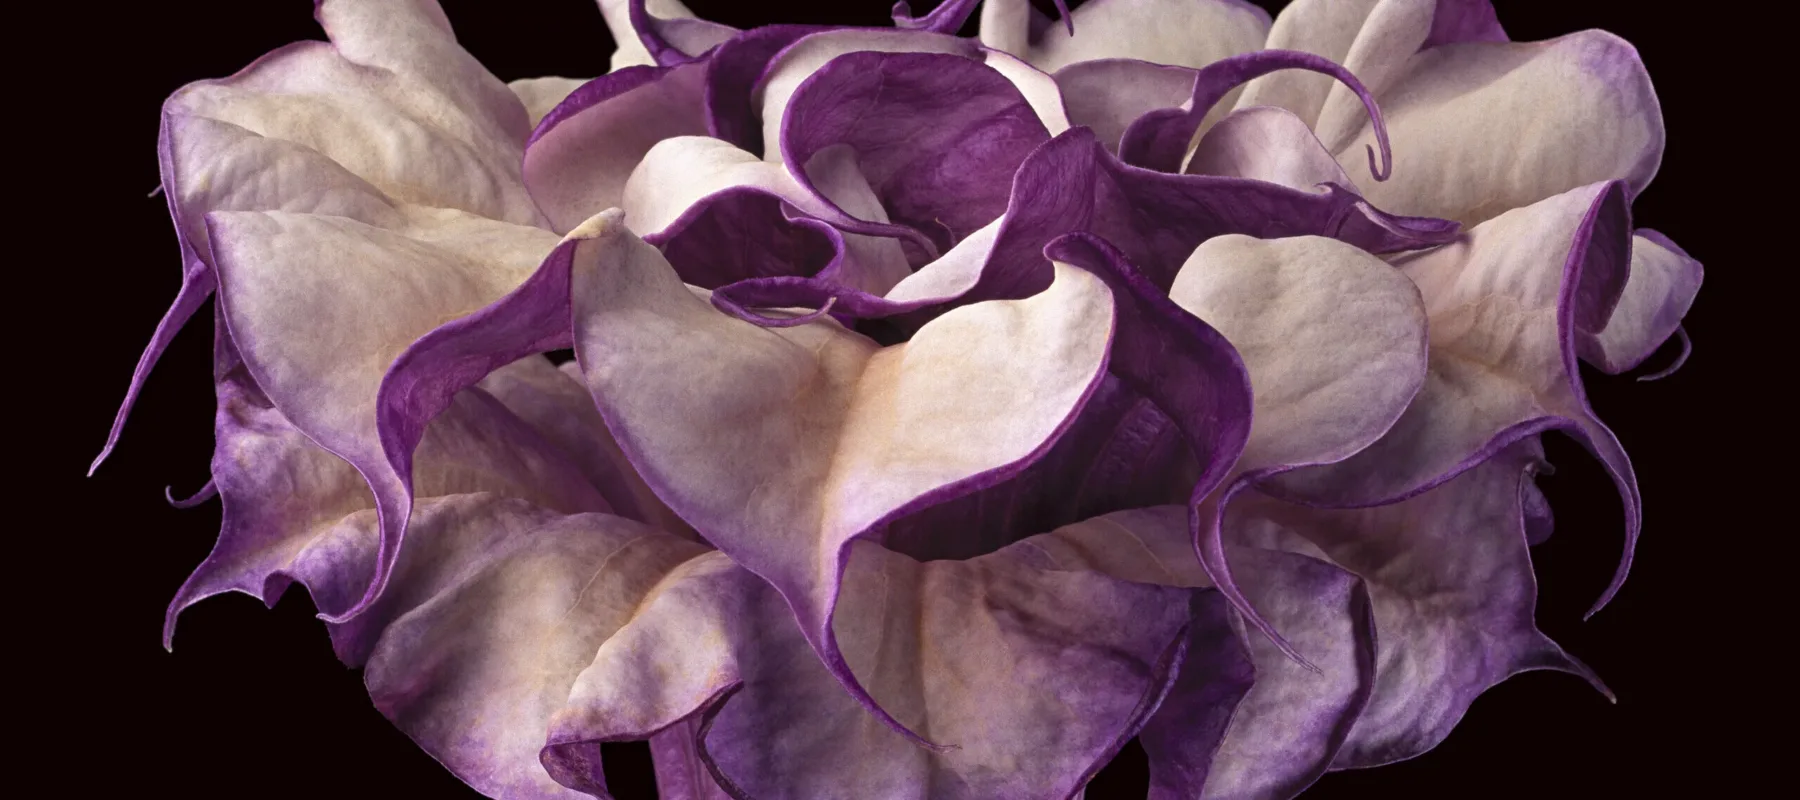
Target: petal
column 285, row 277
column 684, row 180
column 1110, row 94
column 1378, row 31
column 658, row 32
column 584, row 150
column 795, row 63
column 497, row 607
column 1506, row 304
column 1288, row 728
column 1450, row 581
column 556, row 405
column 1037, row 674
column 1333, row 337
column 1484, row 127
column 540, row 95
column 937, row 135
column 1185, row 33
column 1663, row 282
column 390, row 112
column 283, row 494
column 1268, row 144
column 867, row 432
column 734, row 75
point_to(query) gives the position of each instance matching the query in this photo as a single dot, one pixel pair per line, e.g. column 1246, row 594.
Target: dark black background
column 252, row 703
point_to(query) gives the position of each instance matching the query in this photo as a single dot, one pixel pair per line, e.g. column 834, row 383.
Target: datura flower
column 945, row 412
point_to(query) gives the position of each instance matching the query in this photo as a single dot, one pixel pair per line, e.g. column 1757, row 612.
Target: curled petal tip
column 1062, row 7
column 155, row 192
column 1687, row 349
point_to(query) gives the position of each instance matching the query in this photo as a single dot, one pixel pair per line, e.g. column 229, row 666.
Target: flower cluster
column 945, row 411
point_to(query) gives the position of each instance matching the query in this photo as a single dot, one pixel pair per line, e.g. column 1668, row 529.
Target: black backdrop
column 252, row 703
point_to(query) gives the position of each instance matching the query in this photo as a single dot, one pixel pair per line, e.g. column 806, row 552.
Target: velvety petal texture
column 945, row 411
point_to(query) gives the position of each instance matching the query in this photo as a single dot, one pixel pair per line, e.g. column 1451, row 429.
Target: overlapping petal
column 1287, row 729
column 1450, row 582
column 1507, row 304
column 847, row 434
column 1037, row 674
column 658, row 32
column 389, row 114
column 1664, row 280
column 1185, row 33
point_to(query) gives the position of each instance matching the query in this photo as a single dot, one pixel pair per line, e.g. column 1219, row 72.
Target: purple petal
column 869, row 432
column 495, row 608
column 1506, row 303
column 1450, row 580
column 938, row 136
column 1037, row 674
column 1663, row 282
column 733, row 111
column 1287, row 730
column 581, row 154
column 644, row 39
column 284, row 277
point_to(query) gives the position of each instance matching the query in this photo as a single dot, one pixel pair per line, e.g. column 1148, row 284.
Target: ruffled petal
column 555, row 403
column 390, row 112
column 1450, row 581
column 1370, row 37
column 1186, row 33
column 937, row 135
column 658, row 32
column 1037, row 674
column 1484, row 127
column 867, row 432
column 497, row 607
column 283, row 493
column 1268, row 144
column 1506, row 304
column 688, row 189
column 1289, row 726
column 1110, row 94
column 1663, row 282
column 286, row 278
column 1334, row 340
column 584, row 150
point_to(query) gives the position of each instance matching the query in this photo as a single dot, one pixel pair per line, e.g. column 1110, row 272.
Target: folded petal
column 1037, row 674
column 1185, row 33
column 1663, row 282
column 554, row 402
column 1370, row 37
column 1268, row 144
column 1506, row 303
column 496, row 608
column 1484, row 127
column 689, row 191
column 658, row 32
column 293, row 286
column 937, row 135
column 1333, row 337
column 1110, row 94
column 390, row 112
column 866, row 432
column 584, row 150
column 1287, row 729
column 1450, row 581
column 283, row 494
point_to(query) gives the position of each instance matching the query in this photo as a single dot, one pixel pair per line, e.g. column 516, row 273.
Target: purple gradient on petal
column 732, row 75
column 1158, row 140
column 1457, row 21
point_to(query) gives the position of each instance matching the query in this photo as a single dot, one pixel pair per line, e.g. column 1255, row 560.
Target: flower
column 944, row 412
